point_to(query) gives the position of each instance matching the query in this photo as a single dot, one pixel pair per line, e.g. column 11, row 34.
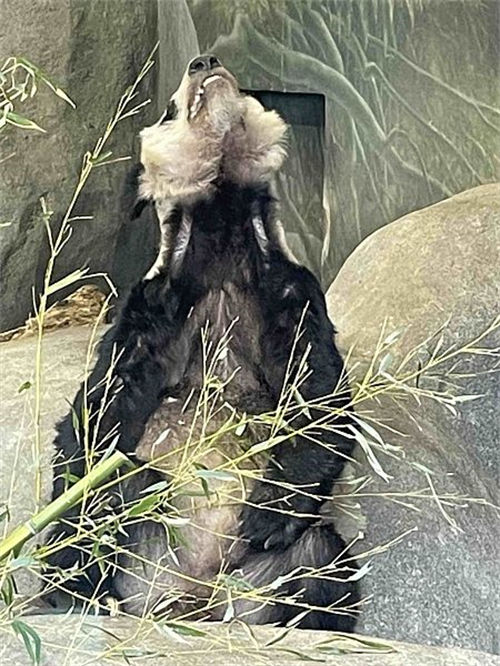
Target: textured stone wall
column 93, row 50
column 412, row 105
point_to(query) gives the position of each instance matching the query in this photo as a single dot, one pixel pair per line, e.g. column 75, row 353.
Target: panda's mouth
column 200, row 94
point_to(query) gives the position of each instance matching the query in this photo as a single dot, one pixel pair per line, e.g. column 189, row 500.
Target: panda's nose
column 203, row 63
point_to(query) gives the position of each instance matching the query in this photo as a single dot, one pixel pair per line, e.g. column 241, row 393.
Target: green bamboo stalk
column 52, row 511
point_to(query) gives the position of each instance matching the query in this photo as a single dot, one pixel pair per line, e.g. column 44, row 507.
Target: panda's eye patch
column 170, row 113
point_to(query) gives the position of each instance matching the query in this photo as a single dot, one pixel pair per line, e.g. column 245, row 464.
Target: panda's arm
column 111, row 409
column 125, row 386
column 290, row 295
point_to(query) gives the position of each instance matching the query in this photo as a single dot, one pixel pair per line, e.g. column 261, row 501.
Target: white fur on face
column 218, row 133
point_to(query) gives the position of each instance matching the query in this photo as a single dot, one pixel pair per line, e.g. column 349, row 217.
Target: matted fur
column 235, row 138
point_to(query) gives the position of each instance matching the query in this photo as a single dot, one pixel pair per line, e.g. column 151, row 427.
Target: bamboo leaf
column 144, row 506
column 467, row 398
column 100, row 158
column 23, row 562
column 67, row 281
column 4, row 513
column 330, row 649
column 392, row 337
column 75, row 421
column 302, row 402
column 369, row 429
column 258, row 448
column 385, row 362
column 421, row 468
column 155, row 487
column 8, row 590
column 370, row 456
column 240, row 429
column 229, row 612
column 206, row 489
column 297, row 618
column 236, row 583
column 352, row 644
column 185, row 630
column 43, row 76
column 361, row 572
column 278, row 638
column 60, row 93
column 175, row 521
column 31, row 640
column 21, row 121
column 302, row 655
column 216, row 474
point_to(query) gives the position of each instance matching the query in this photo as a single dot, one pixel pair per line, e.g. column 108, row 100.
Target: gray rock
column 93, row 50
column 63, row 368
column 438, row 585
column 102, row 640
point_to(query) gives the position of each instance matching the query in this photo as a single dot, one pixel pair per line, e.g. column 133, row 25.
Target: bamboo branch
column 67, row 500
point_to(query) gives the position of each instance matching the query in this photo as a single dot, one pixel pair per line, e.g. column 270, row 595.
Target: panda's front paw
column 270, row 522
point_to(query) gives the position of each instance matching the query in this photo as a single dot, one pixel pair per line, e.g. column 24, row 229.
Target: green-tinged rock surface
column 409, row 97
column 436, row 267
column 99, row 641
column 93, row 51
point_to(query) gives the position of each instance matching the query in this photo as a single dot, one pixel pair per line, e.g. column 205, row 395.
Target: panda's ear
column 132, row 203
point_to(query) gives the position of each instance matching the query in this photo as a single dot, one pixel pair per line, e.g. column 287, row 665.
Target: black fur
column 130, row 202
column 223, row 249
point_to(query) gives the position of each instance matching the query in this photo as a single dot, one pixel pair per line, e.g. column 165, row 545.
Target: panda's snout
column 203, row 63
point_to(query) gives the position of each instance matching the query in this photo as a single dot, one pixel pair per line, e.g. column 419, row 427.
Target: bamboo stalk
column 52, row 511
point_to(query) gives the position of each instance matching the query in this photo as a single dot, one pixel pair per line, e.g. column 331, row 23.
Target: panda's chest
column 222, row 378
column 224, row 332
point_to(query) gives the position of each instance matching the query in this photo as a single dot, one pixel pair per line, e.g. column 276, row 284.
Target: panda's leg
column 144, row 563
column 111, row 408
column 301, row 469
column 315, row 571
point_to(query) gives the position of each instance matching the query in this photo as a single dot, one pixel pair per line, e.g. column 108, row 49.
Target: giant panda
column 223, row 273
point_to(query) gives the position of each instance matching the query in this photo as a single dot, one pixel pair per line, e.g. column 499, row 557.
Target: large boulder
column 437, row 267
column 62, row 369
column 93, row 50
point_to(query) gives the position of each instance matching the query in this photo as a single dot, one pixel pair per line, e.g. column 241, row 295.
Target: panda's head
column 209, row 133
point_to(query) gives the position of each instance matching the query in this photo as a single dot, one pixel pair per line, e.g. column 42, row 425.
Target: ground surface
column 73, row 642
